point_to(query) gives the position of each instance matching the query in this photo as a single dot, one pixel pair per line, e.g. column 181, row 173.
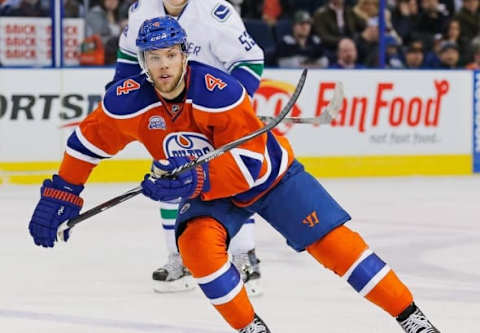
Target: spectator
column 393, row 57
column 346, row 55
column 103, row 20
column 453, row 34
column 414, row 56
column 272, row 10
column 366, row 9
column 71, row 8
column 253, row 9
column 301, row 48
column 432, row 20
column 432, row 56
column 469, row 18
column 367, row 44
column 449, row 56
column 27, row 8
column 475, row 64
column 335, row 21
column 291, row 6
column 404, row 18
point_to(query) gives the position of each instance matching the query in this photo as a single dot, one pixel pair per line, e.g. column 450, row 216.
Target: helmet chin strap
column 183, row 72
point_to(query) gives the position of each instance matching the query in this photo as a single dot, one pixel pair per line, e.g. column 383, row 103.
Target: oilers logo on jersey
column 186, row 144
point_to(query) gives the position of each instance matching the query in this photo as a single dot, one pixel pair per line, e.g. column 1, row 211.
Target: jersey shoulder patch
column 130, row 97
column 221, row 12
column 207, row 82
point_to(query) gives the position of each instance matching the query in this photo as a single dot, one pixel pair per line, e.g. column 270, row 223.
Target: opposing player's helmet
column 159, row 33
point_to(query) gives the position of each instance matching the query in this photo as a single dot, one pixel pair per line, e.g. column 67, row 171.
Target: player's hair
column 159, row 33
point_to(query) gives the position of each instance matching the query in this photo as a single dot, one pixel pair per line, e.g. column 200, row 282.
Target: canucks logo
column 221, row 12
column 156, row 122
column 186, row 144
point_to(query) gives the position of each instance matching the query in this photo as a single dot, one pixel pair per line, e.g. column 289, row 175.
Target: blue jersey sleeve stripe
column 365, row 271
column 89, row 145
column 249, row 79
column 79, row 156
column 75, row 144
column 222, row 285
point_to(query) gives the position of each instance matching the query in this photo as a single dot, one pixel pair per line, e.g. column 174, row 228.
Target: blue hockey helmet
column 161, row 33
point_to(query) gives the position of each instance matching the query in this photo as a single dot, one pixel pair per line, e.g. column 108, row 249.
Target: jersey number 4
column 127, row 86
column 212, row 82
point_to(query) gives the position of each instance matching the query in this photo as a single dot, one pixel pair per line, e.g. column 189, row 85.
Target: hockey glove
column 186, row 185
column 59, row 202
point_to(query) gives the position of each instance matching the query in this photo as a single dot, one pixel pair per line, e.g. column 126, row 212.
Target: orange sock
column 204, row 252
column 346, row 253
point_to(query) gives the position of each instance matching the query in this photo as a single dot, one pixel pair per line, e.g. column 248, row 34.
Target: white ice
column 426, row 228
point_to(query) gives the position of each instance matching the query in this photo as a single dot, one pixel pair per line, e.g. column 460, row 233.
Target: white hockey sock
column 244, row 240
column 168, row 214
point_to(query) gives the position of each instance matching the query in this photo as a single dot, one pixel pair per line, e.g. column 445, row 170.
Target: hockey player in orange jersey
column 179, row 109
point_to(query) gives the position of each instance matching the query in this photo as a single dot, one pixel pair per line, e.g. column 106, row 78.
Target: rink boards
column 391, row 123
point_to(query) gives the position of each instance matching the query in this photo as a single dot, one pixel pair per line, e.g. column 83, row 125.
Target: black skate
column 416, row 321
column 256, row 326
column 173, row 276
column 248, row 266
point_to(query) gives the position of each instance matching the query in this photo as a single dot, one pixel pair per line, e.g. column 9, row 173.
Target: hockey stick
column 326, row 117
column 192, row 164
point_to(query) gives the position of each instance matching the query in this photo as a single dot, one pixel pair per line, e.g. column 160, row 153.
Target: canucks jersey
column 216, row 111
column 216, row 36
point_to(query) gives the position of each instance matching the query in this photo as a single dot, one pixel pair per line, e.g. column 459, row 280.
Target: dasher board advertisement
column 391, row 122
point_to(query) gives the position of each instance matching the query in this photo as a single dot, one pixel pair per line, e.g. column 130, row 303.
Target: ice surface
column 427, row 229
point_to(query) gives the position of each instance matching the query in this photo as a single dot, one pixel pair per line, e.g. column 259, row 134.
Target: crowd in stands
column 443, row 34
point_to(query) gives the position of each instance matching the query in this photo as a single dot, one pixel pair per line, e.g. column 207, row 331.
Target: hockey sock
column 346, row 253
column 203, row 248
column 168, row 215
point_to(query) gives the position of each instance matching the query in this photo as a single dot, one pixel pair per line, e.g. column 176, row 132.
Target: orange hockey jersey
column 217, row 110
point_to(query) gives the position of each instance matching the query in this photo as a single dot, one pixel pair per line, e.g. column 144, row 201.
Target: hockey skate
column 416, row 322
column 248, row 266
column 256, row 326
column 173, row 276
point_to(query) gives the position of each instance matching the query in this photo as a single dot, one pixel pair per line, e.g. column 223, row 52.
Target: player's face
column 165, row 67
column 175, row 3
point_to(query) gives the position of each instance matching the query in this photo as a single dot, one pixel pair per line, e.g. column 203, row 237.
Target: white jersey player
column 216, row 36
